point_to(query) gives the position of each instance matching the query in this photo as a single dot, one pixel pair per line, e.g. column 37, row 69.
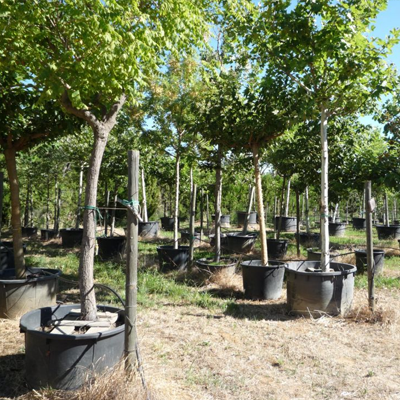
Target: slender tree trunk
column 260, row 205
column 86, row 281
column 78, row 211
column 144, row 211
column 10, row 154
column 298, row 223
column 281, row 208
column 207, row 214
column 370, row 250
column 48, row 201
column 55, row 226
column 58, row 209
column 27, row 201
column 324, row 211
column 249, row 205
column 192, row 220
column 201, row 215
column 307, row 211
column 335, row 212
column 112, row 229
column 363, row 204
column 107, row 199
column 218, row 200
column 287, row 198
column 387, row 209
column 394, row 210
column 176, row 211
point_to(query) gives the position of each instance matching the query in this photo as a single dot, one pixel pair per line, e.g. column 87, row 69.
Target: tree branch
column 111, row 116
column 86, row 115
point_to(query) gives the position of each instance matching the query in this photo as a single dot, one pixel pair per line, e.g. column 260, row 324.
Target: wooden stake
column 192, row 222
column 131, row 263
column 370, row 253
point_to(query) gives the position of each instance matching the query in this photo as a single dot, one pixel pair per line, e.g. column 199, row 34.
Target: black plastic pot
column 185, row 237
column 240, row 243
column 310, row 239
column 167, row 223
column 318, row 293
column 337, row 229
column 111, row 247
column 359, row 223
column 277, row 249
column 18, row 296
column 388, row 232
column 361, row 261
column 262, row 282
column 7, row 255
column 148, row 229
column 241, row 217
column 29, row 231
column 225, row 265
column 170, row 258
column 71, row 237
column 225, row 219
column 47, row 234
column 289, row 224
column 67, row 361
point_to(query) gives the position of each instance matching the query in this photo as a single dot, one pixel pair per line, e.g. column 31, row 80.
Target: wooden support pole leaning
column 191, row 223
column 369, row 208
column 132, row 261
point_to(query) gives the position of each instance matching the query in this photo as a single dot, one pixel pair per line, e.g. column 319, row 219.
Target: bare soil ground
column 255, row 352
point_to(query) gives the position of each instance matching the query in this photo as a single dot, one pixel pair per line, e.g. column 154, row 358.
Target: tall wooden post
column 369, row 208
column 132, row 262
column 191, row 223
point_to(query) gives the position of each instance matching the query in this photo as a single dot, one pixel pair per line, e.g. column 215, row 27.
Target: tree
column 25, row 123
column 93, row 57
column 325, row 48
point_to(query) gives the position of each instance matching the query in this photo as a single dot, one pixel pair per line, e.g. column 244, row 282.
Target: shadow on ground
column 12, row 376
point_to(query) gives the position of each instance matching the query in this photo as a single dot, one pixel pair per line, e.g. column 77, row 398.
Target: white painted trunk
column 80, row 190
column 218, row 201
column 307, row 210
column 335, row 212
column 387, row 210
column 324, row 211
column 287, row 198
column 144, row 207
column 260, row 206
column 176, row 210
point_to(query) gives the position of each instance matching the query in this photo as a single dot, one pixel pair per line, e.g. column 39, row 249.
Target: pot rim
column 77, row 337
column 52, row 274
column 351, row 270
column 274, row 264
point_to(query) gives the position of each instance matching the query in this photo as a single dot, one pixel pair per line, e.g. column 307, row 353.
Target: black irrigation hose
column 138, row 355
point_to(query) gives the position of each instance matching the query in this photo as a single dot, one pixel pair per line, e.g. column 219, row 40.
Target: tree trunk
column 112, row 228
column 249, row 205
column 335, row 212
column 27, row 201
column 387, row 209
column 218, row 200
column 48, row 201
column 58, row 209
column 86, row 281
column 107, row 199
column 370, row 250
column 1, row 200
column 78, row 211
column 260, row 205
column 144, row 211
column 287, row 198
column 176, row 211
column 324, row 211
column 298, row 223
column 307, row 210
column 10, row 154
column 281, row 208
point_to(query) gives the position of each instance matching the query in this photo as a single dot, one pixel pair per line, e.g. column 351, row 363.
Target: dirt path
column 194, row 354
